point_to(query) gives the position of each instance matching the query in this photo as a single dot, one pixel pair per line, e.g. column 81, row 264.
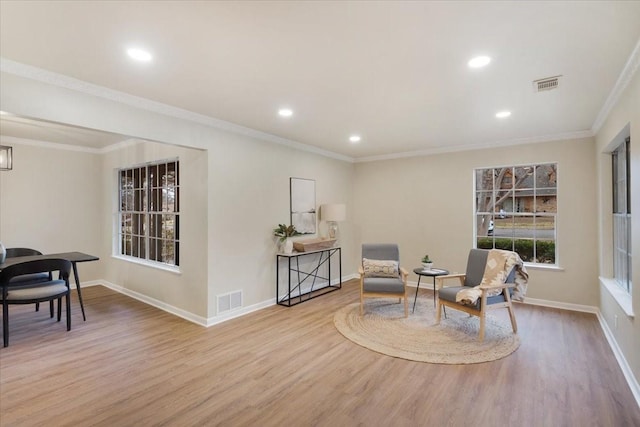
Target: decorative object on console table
column 427, row 263
column 284, row 232
column 303, row 205
column 313, row 244
column 333, row 214
column 6, row 158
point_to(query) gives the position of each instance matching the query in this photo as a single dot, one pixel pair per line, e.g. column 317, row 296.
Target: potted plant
column 426, row 262
column 284, row 232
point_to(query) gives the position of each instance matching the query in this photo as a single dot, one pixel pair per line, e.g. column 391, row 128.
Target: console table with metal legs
column 308, row 280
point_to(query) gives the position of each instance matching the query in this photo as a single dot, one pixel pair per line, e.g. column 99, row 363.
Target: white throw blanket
column 499, row 265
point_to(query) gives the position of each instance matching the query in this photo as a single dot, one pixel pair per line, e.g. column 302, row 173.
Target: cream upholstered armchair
column 381, row 275
column 490, row 295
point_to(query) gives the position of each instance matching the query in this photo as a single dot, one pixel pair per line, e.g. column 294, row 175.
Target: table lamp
column 333, row 214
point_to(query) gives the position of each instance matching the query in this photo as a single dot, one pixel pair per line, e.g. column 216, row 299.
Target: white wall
column 625, row 113
column 186, row 290
column 426, row 205
column 50, row 202
column 246, row 186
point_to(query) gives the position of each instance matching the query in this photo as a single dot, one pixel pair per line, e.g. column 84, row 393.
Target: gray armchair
column 381, row 275
column 476, row 265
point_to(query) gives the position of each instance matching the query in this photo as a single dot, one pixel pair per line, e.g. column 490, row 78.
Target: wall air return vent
column 230, row 301
column 548, row 83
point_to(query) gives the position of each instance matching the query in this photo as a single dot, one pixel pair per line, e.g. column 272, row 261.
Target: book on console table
column 313, row 244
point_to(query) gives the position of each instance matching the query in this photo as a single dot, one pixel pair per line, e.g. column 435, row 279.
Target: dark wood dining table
column 73, row 257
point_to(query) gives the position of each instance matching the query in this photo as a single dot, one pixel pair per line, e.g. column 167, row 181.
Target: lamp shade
column 336, row 212
column 6, row 158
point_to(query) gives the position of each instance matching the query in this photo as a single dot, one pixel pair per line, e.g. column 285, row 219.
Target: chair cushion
column 449, row 294
column 476, row 264
column 383, row 285
column 380, row 268
column 381, row 251
column 30, row 278
column 43, row 290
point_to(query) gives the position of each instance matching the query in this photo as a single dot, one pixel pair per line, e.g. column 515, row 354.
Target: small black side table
column 434, row 272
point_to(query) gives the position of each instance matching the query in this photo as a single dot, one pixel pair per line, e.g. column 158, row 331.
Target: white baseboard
column 153, row 302
column 613, row 344
column 560, row 305
column 617, row 352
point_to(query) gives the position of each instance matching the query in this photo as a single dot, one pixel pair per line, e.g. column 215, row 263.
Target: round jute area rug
column 384, row 329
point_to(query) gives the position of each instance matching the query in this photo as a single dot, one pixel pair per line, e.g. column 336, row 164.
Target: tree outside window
column 516, row 209
column 149, row 212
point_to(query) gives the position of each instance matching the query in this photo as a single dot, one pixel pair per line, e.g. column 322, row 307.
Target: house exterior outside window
column 622, row 215
column 516, row 209
column 149, row 214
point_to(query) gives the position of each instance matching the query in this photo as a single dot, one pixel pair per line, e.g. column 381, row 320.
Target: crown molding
column 497, row 144
column 46, row 144
column 69, row 147
column 629, row 70
column 60, row 80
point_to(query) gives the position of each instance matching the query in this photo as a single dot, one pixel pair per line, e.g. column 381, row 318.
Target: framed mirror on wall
column 303, row 205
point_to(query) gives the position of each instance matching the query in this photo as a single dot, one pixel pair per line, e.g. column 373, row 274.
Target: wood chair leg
column 482, row 323
column 438, row 311
column 406, row 306
column 512, row 315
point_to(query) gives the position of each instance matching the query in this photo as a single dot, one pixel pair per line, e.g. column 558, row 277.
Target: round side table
column 434, row 272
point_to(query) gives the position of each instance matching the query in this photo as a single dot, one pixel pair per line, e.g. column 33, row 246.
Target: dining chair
column 30, row 278
column 29, row 293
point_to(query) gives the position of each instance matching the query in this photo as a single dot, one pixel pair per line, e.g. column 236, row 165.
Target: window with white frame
column 149, row 214
column 516, row 209
column 622, row 215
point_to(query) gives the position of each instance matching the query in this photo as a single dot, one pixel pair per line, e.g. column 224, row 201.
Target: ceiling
column 394, row 73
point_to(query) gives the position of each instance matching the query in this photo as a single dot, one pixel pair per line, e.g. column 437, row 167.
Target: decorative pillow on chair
column 380, row 268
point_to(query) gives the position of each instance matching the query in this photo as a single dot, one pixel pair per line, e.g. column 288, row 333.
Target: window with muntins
column 149, row 214
column 622, row 215
column 516, row 209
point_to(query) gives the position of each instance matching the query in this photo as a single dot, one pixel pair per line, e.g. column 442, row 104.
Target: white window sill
column 622, row 298
column 156, row 265
column 549, row 267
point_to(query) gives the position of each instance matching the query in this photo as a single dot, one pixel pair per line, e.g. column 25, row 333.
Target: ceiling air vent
column 548, row 83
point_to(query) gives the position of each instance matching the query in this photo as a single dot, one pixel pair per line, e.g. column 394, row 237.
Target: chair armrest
column 460, row 276
column 361, row 271
column 494, row 287
column 404, row 273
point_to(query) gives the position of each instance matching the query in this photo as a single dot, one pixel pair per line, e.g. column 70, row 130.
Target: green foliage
column 545, row 250
column 284, row 231
column 426, row 259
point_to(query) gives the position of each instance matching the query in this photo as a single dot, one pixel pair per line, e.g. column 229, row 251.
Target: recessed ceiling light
column 355, row 138
column 503, row 114
column 285, row 112
column 139, row 54
column 479, row 61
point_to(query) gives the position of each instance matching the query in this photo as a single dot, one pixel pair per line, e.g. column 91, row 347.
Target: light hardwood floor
column 131, row 364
